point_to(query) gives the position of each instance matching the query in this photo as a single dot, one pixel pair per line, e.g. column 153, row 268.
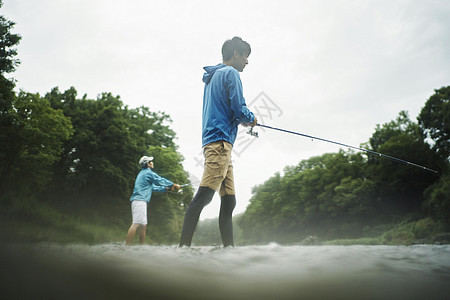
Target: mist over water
column 115, row 271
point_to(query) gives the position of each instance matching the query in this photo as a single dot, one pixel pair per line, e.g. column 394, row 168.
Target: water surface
column 115, row 271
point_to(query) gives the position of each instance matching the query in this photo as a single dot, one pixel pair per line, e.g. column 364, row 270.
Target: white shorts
column 139, row 212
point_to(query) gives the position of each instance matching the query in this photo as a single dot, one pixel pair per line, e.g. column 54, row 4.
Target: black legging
column 202, row 198
column 227, row 205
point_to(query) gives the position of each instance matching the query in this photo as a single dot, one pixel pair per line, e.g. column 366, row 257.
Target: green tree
column 98, row 162
column 8, row 62
column 324, row 195
column 32, row 143
column 338, row 195
column 8, row 42
column 322, row 192
column 151, row 128
column 98, row 166
column 258, row 220
column 81, row 153
column 401, row 186
column 435, row 120
column 437, row 203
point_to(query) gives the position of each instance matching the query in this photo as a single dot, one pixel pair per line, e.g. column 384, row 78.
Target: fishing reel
column 252, row 133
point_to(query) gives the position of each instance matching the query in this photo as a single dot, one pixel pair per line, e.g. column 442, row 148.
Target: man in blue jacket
column 146, row 182
column 224, row 109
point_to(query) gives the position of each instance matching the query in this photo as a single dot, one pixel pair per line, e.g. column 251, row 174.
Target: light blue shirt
column 224, row 105
column 146, row 182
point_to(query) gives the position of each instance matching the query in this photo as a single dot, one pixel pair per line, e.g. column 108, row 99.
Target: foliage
column 309, row 199
column 98, row 162
column 437, row 201
column 31, row 143
column 345, row 196
column 80, row 156
column 68, row 164
column 8, row 63
column 7, row 96
column 435, row 119
column 8, row 41
column 401, row 186
column 425, row 228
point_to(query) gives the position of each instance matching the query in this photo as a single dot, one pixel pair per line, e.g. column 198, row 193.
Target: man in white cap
column 146, row 182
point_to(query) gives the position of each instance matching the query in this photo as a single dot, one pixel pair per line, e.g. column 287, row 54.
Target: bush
column 437, row 201
column 425, row 228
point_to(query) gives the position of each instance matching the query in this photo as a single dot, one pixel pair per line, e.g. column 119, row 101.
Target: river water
column 115, row 271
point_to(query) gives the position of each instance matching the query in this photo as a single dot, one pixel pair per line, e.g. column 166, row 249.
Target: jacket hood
column 210, row 70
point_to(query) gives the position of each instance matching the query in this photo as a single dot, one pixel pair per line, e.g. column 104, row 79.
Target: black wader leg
column 228, row 202
column 202, row 198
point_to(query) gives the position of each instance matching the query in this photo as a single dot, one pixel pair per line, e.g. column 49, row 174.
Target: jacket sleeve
column 235, row 92
column 159, row 188
column 159, row 183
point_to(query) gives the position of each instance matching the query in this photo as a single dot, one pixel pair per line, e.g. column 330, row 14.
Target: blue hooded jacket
column 146, row 182
column 224, row 105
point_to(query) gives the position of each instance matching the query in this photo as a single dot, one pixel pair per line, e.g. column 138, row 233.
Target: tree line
column 350, row 194
column 67, row 161
column 64, row 156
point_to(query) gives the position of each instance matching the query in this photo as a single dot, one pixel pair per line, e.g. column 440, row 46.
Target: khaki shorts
column 218, row 169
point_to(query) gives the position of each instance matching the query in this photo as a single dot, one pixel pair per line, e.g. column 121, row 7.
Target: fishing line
column 255, row 134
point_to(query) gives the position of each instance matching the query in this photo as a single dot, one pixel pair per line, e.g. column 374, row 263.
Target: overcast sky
column 332, row 69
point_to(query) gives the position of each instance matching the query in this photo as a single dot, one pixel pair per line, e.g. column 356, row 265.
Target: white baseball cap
column 144, row 160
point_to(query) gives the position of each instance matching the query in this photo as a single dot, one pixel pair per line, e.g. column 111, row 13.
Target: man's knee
column 228, row 203
column 204, row 196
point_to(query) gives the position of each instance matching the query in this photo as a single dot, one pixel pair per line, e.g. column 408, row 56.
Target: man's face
column 240, row 61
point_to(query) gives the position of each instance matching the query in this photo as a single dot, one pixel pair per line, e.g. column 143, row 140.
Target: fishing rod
column 255, row 134
column 180, row 191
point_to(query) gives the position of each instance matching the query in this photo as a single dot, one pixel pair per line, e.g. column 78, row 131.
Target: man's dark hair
column 235, row 44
